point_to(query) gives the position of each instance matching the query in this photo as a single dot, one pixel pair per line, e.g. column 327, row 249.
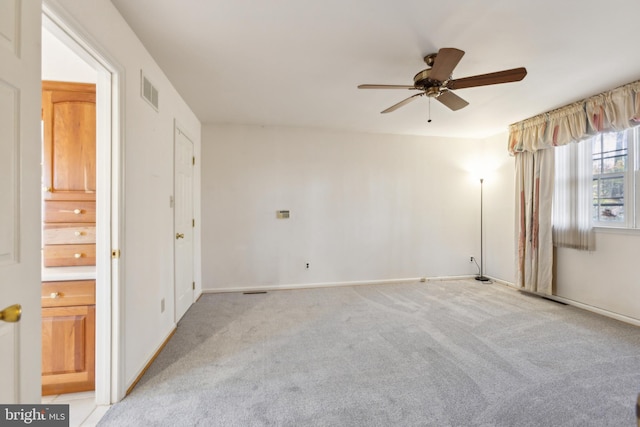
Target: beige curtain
column 534, row 191
column 532, row 142
column 615, row 110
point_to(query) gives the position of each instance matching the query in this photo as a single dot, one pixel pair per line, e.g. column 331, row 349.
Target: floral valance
column 614, row 110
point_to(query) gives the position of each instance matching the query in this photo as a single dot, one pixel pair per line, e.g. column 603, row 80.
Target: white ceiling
column 297, row 63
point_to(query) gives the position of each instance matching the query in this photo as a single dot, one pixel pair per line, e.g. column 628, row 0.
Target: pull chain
column 429, row 118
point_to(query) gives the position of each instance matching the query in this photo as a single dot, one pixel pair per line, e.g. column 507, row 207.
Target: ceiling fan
column 436, row 82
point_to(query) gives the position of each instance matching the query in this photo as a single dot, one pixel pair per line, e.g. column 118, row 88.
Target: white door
column 183, row 223
column 20, row 199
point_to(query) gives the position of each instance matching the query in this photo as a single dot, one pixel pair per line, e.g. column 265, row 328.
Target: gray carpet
column 450, row 353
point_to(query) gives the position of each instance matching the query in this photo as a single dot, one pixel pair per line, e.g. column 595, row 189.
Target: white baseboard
column 309, row 285
column 574, row 303
column 333, row 284
column 593, row 309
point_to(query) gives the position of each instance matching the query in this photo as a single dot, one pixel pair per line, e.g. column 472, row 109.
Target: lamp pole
column 481, row 277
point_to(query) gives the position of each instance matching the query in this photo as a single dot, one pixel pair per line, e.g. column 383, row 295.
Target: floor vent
column 149, row 91
column 254, row 292
column 553, row 300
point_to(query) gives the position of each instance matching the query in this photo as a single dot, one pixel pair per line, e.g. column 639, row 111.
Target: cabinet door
column 68, row 349
column 69, row 132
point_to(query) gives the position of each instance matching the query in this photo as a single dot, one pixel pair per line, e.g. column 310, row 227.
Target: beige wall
column 607, row 278
column 499, row 210
column 363, row 206
column 147, row 254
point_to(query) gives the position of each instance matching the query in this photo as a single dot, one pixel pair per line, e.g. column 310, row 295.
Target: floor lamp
column 481, row 277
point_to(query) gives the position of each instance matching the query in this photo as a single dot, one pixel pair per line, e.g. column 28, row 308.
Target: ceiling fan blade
column 451, row 100
column 506, row 76
column 445, row 62
column 401, row 103
column 386, row 87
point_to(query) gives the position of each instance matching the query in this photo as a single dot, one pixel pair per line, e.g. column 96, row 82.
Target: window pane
column 611, row 187
column 610, row 163
column 612, row 214
column 597, row 165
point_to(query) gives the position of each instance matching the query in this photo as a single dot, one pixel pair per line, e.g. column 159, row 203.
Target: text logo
column 34, row 415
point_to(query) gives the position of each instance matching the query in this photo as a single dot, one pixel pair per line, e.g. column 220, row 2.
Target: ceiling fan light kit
column 437, row 82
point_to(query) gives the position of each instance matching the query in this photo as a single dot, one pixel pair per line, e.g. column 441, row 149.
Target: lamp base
column 483, row 278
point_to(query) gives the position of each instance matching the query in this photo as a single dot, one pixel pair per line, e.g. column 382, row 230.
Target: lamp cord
column 477, row 265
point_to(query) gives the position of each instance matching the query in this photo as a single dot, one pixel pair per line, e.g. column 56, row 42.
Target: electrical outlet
column 307, row 265
column 471, row 259
column 162, row 305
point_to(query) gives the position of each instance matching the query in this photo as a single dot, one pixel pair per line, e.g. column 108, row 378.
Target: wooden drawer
column 65, row 294
column 64, row 211
column 69, row 255
column 71, row 234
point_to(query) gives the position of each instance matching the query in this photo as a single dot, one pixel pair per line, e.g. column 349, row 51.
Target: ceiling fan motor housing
column 423, row 82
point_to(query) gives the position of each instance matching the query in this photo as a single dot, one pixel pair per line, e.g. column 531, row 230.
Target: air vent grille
column 149, row 92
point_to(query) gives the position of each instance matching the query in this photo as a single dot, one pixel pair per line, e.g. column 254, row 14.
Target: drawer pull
column 55, row 295
column 78, row 233
column 77, row 255
column 77, row 211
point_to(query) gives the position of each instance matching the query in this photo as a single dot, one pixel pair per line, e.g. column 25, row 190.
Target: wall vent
column 148, row 91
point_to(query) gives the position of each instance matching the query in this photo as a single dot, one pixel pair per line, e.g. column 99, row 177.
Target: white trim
column 587, row 307
column 616, row 230
column 594, row 309
column 309, row 285
column 503, row 282
column 110, row 384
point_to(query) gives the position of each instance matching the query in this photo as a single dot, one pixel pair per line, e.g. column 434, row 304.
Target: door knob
column 11, row 313
column 179, row 235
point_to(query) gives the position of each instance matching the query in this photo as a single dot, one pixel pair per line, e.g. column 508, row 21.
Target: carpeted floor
column 441, row 353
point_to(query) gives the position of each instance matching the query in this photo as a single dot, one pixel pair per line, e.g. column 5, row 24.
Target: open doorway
column 84, row 61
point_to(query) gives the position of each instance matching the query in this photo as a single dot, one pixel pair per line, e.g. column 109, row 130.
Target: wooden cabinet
column 69, row 135
column 68, row 337
column 69, row 171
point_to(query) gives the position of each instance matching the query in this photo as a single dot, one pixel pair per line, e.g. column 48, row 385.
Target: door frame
column 110, row 380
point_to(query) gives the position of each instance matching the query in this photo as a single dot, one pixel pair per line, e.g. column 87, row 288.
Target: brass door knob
column 179, row 235
column 12, row 313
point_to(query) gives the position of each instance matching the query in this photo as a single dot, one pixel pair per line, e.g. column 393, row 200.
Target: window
column 614, row 168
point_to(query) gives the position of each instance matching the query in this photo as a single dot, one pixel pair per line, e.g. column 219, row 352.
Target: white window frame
column 631, row 185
